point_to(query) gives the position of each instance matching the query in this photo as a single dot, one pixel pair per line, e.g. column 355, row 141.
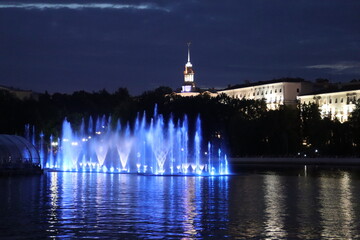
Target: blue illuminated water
column 161, row 147
column 318, row 204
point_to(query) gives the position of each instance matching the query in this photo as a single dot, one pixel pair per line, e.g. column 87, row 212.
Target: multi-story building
column 336, row 103
column 274, row 92
column 20, row 94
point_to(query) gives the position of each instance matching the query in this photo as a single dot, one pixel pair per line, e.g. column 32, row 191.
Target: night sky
column 66, row 46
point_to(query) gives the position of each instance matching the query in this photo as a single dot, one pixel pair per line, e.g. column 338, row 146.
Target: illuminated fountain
column 160, row 148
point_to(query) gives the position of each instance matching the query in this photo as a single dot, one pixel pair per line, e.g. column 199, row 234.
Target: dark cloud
column 81, row 6
column 142, row 44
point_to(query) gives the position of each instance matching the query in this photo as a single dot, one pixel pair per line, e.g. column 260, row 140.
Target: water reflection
column 139, row 206
column 275, row 208
column 246, row 206
column 53, row 199
column 336, row 209
column 115, row 206
column 346, row 202
column 306, row 206
column 190, row 209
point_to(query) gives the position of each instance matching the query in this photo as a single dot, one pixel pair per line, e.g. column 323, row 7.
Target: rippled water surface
column 252, row 204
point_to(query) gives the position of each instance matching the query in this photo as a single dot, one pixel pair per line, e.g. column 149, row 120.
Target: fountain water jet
column 159, row 148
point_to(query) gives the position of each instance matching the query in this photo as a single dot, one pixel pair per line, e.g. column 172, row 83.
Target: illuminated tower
column 189, row 84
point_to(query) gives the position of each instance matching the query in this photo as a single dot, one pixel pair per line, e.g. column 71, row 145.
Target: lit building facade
column 335, row 104
column 275, row 92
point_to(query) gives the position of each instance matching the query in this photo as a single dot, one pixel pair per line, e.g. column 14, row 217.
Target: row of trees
column 244, row 127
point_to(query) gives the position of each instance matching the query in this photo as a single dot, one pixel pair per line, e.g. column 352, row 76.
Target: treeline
column 242, row 127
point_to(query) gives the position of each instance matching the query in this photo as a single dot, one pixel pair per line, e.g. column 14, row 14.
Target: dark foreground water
column 288, row 204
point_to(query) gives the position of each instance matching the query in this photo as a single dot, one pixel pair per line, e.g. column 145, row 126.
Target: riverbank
column 20, row 171
column 297, row 161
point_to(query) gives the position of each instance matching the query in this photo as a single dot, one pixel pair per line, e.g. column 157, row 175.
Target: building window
column 335, row 100
column 280, row 90
column 186, row 88
column 342, row 100
column 297, row 90
column 262, row 93
column 257, row 93
column 330, row 101
column 265, row 92
column 270, row 91
column 275, row 90
column 253, row 94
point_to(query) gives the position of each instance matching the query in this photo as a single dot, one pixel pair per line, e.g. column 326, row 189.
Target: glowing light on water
column 160, row 147
column 138, row 167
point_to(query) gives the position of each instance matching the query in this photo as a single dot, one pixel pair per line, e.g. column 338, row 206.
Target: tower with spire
column 189, row 84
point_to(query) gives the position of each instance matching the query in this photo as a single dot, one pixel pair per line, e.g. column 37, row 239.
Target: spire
column 188, row 64
column 188, row 51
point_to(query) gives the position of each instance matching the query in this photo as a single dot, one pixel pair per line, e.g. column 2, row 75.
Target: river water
column 298, row 203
